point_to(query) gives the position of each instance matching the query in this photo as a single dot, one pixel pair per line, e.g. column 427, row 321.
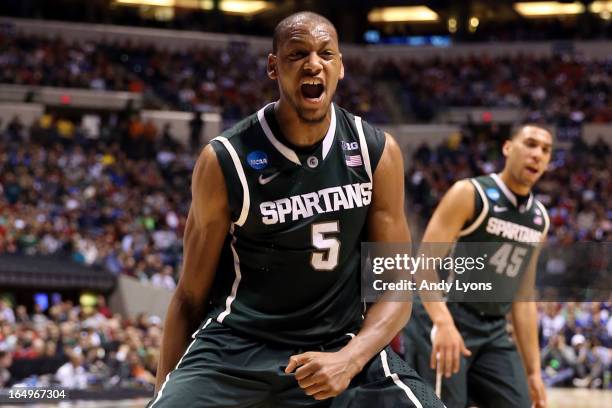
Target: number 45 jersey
column 289, row 270
column 504, row 234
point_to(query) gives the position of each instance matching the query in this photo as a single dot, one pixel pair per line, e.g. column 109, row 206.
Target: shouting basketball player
column 270, row 284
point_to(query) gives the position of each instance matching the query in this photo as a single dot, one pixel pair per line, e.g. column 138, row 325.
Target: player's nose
column 536, row 154
column 313, row 63
column 539, row 155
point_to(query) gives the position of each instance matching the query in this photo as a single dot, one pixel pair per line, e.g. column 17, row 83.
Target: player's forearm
column 524, row 318
column 182, row 319
column 382, row 322
column 438, row 313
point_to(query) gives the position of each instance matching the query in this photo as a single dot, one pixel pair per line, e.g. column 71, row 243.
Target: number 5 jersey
column 289, row 269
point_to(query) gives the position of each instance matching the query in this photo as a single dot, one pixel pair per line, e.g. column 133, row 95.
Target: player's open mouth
column 312, row 92
column 532, row 170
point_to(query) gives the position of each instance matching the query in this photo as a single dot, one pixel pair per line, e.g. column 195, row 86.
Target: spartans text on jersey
column 316, row 202
column 512, row 231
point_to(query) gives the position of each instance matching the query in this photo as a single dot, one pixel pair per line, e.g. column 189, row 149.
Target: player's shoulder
column 486, row 186
column 484, row 180
column 463, row 187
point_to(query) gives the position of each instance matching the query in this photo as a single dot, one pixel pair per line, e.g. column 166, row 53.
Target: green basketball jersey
column 508, row 233
column 289, row 271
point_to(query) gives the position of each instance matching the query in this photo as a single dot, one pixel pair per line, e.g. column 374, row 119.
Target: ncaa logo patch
column 492, row 193
column 257, row 160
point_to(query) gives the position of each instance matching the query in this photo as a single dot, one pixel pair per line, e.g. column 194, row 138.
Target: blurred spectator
column 558, row 362
column 137, row 370
column 589, row 365
column 164, row 278
column 6, row 313
column 102, row 308
column 6, row 360
column 72, row 375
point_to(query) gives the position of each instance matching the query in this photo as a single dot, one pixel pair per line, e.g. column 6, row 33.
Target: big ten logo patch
column 350, row 145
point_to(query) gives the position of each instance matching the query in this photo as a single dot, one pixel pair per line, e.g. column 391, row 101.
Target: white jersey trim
column 397, row 381
column 545, row 216
column 193, row 336
column 483, row 213
column 284, row 150
column 364, row 147
column 510, row 195
column 230, row 299
column 288, row 152
column 529, row 201
column 504, row 188
column 331, row 132
column 246, row 198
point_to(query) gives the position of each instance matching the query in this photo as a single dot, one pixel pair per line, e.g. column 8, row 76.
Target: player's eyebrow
column 533, row 139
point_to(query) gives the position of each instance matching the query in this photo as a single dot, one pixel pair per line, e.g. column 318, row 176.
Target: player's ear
column 271, row 68
column 341, row 68
column 507, row 147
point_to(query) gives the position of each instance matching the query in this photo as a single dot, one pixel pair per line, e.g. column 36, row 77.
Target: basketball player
column 281, row 203
column 470, row 338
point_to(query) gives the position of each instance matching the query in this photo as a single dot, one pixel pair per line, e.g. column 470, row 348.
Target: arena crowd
column 559, row 89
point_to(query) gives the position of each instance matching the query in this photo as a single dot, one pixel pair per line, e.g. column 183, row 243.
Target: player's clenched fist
column 323, row 375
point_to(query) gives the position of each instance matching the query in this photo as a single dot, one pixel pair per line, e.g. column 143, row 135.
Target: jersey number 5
column 327, row 258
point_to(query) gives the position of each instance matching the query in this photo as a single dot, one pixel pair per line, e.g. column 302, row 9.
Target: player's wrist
column 534, row 373
column 355, row 366
column 357, row 358
column 443, row 321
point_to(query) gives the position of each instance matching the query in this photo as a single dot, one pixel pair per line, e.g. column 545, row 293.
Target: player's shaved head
column 284, row 28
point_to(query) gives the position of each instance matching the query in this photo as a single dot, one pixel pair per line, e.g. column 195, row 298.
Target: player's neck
column 296, row 130
column 514, row 185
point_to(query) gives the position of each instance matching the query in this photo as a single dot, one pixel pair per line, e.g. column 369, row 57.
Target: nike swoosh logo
column 265, row 180
column 499, row 209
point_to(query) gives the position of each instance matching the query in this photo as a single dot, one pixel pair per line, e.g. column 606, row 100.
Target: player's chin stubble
column 311, row 120
column 303, row 115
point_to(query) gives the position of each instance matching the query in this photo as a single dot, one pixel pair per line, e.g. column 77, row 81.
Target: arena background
column 105, row 104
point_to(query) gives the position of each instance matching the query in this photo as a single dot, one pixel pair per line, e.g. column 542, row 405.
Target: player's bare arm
column 326, row 375
column 455, row 209
column 207, row 226
column 525, row 322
